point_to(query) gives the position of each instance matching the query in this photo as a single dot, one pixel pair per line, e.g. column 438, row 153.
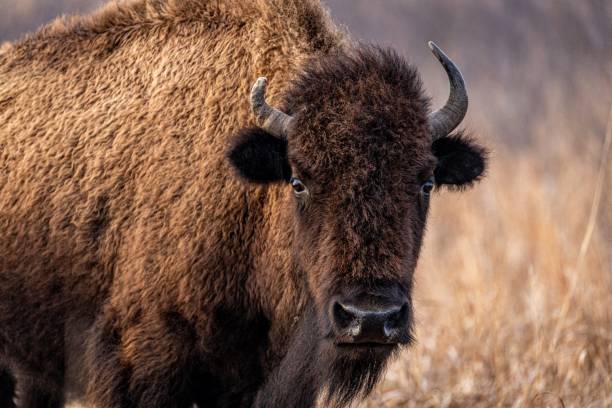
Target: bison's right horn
column 270, row 119
column 443, row 121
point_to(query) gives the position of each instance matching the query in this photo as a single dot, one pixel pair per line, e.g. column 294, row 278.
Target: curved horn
column 443, row 121
column 270, row 119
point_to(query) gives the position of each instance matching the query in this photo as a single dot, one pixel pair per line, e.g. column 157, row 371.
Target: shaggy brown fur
column 131, row 256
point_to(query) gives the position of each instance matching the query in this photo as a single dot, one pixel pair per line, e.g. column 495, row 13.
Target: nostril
column 343, row 317
column 397, row 317
column 396, row 320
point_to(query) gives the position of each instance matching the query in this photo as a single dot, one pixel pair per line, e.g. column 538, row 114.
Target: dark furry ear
column 461, row 161
column 260, row 157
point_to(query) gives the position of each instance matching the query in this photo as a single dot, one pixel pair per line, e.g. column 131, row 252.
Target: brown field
column 514, row 287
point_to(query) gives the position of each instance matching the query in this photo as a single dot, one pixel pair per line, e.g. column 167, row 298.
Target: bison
column 160, row 246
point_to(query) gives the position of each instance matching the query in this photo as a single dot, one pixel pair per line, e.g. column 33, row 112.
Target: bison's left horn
column 443, row 121
column 270, row 119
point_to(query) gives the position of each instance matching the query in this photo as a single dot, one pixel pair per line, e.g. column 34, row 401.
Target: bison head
column 361, row 154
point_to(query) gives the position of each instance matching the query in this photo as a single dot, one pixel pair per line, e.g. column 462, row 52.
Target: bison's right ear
column 461, row 161
column 259, row 156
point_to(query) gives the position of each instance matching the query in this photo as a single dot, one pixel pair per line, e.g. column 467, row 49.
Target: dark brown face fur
column 360, row 146
column 362, row 149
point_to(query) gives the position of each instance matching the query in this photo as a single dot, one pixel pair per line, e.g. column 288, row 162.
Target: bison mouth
column 365, row 350
column 367, row 346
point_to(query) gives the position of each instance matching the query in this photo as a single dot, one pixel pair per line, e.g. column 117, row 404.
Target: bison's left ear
column 259, row 156
column 461, row 161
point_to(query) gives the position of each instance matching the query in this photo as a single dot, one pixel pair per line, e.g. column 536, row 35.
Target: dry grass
column 514, row 287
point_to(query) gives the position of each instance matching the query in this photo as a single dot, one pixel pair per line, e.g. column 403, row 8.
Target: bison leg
column 108, row 375
column 7, row 388
column 143, row 364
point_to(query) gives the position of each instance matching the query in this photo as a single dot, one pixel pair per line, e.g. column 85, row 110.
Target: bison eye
column 427, row 186
column 299, row 188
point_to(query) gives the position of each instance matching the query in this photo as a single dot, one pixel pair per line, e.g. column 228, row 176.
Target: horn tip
column 260, row 83
column 437, row 51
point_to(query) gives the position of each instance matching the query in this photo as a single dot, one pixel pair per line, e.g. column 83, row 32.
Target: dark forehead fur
column 359, row 108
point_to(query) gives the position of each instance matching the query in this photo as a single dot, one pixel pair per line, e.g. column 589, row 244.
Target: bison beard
column 351, row 378
column 315, row 367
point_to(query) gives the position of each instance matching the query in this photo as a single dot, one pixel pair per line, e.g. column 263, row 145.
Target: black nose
column 376, row 324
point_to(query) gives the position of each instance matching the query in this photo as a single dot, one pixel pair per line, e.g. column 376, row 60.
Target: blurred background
column 514, row 287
